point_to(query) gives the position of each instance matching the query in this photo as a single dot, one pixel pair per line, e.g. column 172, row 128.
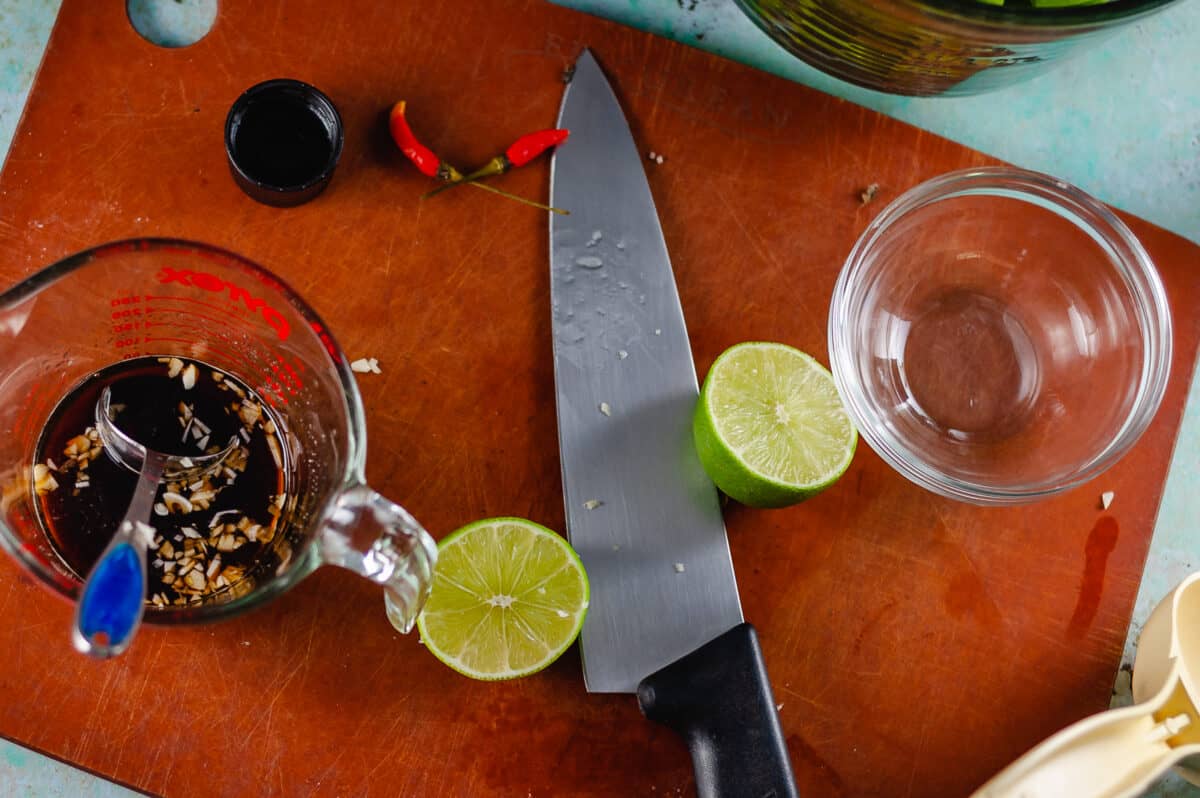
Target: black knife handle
column 719, row 700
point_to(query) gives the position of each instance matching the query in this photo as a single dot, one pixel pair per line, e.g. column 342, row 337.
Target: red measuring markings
column 222, row 309
column 185, row 316
column 214, row 284
column 282, row 377
column 293, row 379
column 250, row 362
column 192, row 314
column 126, row 318
column 229, row 353
column 132, row 312
column 287, row 375
column 327, row 340
column 271, row 392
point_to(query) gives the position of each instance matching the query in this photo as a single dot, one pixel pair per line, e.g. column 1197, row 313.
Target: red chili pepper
column 521, row 152
column 425, row 159
column 531, row 145
column 430, row 165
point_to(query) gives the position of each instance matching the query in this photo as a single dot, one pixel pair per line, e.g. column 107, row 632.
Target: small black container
column 283, row 139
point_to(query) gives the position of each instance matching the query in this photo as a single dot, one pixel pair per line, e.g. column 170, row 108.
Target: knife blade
column 665, row 619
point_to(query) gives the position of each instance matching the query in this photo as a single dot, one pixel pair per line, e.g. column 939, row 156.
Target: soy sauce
column 213, row 532
column 282, row 142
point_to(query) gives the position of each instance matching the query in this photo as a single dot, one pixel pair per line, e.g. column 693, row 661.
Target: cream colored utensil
column 1119, row 753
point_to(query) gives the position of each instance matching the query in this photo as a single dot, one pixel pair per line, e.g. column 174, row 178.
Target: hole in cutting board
column 172, row 23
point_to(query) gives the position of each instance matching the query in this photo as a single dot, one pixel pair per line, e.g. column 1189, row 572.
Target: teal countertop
column 1121, row 120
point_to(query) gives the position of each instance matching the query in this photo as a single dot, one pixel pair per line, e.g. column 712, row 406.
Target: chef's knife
column 665, row 620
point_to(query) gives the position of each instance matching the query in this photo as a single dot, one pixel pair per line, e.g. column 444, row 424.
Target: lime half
column 770, row 427
column 509, row 597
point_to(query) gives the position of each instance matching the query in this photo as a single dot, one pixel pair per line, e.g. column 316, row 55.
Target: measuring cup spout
column 377, row 538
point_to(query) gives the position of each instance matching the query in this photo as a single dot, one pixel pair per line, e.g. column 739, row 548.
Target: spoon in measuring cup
column 113, row 597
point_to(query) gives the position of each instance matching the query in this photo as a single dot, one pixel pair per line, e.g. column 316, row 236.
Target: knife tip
column 586, row 56
column 585, row 63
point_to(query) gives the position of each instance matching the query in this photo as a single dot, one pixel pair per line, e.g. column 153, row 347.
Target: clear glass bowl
column 930, row 47
column 999, row 336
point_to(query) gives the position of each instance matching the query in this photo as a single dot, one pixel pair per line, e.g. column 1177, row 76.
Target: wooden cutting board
column 915, row 645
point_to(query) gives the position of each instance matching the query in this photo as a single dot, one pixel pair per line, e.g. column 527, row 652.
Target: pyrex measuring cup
column 1119, row 753
column 158, row 297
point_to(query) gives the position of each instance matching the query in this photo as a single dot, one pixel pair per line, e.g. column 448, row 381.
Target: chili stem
column 495, row 190
column 447, row 185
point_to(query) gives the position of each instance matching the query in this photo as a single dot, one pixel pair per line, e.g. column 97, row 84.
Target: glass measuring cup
column 1119, row 753
column 170, row 298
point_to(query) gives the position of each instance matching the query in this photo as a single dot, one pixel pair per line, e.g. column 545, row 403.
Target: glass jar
column 936, row 47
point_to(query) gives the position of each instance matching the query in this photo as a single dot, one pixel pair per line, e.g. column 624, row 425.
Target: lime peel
column 770, row 427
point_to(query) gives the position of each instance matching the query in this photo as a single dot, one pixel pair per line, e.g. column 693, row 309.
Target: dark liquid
column 219, row 525
column 282, row 142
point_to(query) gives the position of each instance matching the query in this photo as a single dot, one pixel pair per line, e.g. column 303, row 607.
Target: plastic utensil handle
column 113, row 599
column 111, row 605
column 719, row 700
column 1114, row 754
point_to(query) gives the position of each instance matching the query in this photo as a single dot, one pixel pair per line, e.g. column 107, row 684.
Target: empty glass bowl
column 999, row 336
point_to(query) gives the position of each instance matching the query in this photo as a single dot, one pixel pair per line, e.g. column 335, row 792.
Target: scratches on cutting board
column 93, row 722
column 871, row 623
column 6, row 593
column 802, row 752
column 267, row 717
column 763, row 253
column 966, row 592
column 966, row 595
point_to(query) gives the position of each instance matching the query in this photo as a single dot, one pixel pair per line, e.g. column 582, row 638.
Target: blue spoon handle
column 110, row 607
column 112, row 601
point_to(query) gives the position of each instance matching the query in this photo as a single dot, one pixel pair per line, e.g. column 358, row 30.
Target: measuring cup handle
column 1114, row 754
column 378, row 539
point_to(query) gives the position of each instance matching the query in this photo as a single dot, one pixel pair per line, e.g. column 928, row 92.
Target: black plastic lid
column 283, row 139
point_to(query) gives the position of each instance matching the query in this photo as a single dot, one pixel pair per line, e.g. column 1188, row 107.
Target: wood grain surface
column 915, row 645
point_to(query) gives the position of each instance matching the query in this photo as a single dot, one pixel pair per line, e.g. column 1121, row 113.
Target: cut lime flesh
column 770, row 427
column 509, row 597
